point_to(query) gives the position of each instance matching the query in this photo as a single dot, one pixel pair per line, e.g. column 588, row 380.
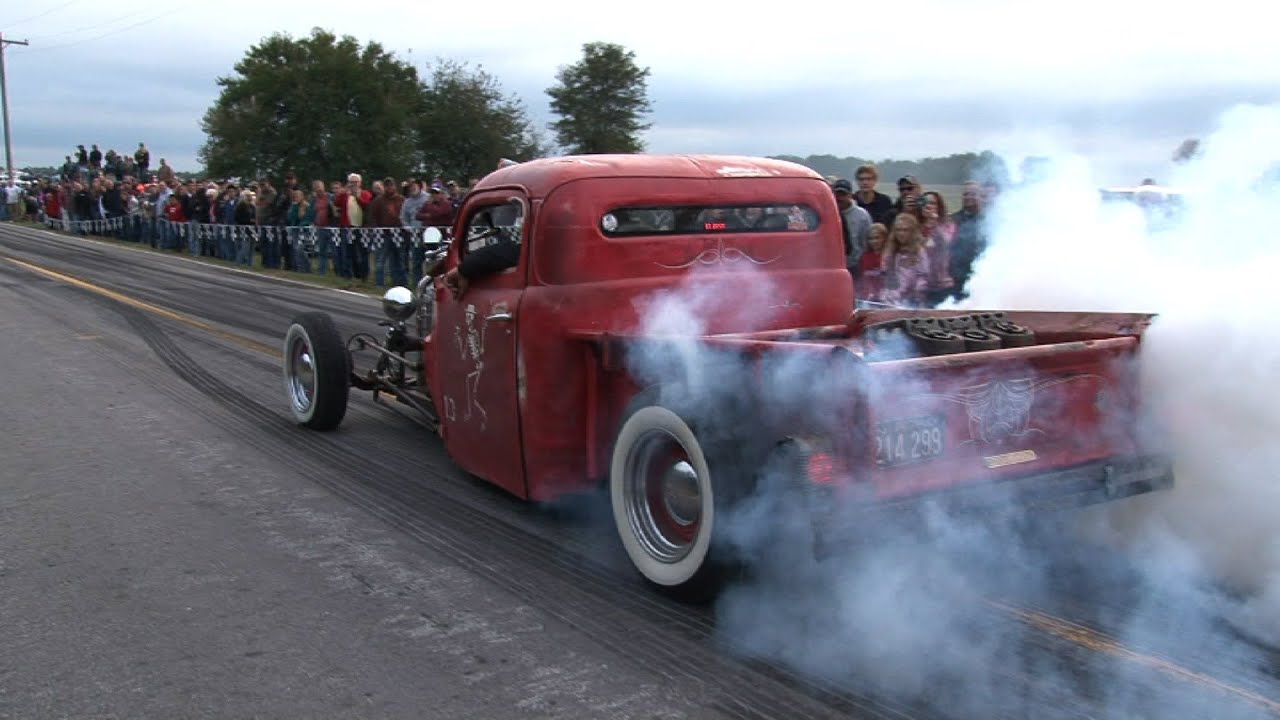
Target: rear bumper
column 1065, row 488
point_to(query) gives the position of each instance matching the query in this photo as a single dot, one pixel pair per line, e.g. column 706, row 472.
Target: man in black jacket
column 113, row 206
column 198, row 215
column 970, row 240
column 81, row 205
column 280, row 217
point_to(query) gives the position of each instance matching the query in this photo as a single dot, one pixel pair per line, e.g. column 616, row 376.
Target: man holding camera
column 908, row 195
column 350, row 202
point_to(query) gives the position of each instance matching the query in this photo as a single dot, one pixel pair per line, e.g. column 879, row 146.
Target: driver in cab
column 492, row 245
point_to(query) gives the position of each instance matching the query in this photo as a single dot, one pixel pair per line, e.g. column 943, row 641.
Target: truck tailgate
column 954, row 420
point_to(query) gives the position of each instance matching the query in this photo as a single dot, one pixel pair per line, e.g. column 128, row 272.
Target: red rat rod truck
column 560, row 371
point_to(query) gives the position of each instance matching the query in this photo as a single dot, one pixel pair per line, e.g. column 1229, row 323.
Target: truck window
column 495, row 224
column 709, row 219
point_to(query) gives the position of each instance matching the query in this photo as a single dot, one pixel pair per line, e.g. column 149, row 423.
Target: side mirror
column 399, row 304
column 434, row 258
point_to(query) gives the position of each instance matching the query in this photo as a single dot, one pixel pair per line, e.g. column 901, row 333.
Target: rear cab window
column 651, row 221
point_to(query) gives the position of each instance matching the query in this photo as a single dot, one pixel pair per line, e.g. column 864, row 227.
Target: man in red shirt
column 350, row 202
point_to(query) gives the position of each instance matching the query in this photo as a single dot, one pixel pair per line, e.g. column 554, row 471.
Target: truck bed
column 1056, row 413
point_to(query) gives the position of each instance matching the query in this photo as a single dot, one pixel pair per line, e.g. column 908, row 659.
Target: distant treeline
column 949, row 170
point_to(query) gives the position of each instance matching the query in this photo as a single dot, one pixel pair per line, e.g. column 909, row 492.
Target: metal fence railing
column 311, row 237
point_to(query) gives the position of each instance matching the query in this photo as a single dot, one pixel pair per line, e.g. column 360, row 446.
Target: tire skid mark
column 562, row 588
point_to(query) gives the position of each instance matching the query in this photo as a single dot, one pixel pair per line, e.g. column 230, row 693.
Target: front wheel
column 664, row 503
column 317, row 371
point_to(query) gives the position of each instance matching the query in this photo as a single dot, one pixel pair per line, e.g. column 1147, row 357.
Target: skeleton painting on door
column 471, row 347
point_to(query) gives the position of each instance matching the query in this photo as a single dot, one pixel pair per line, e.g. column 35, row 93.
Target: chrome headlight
column 399, row 304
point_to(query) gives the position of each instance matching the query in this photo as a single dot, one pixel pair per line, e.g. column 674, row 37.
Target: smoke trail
column 899, row 609
column 1208, row 550
column 1210, row 360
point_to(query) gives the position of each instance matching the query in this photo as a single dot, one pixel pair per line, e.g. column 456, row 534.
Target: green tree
column 319, row 105
column 468, row 122
column 601, row 100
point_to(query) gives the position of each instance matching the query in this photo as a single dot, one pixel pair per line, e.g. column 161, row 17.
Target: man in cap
column 908, row 194
column 855, row 224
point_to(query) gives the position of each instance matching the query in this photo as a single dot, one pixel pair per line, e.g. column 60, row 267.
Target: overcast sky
column 1121, row 82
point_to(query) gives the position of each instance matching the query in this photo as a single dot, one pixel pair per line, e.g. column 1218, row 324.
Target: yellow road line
column 148, row 307
column 1099, row 642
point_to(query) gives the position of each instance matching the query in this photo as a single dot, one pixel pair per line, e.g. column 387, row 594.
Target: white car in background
column 1163, row 205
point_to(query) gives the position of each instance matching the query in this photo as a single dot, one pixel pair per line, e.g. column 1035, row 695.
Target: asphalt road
column 172, row 546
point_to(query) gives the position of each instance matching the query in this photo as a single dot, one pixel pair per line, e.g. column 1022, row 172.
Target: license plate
column 910, row 440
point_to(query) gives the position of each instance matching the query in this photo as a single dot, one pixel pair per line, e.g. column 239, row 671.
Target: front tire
column 664, row 501
column 317, row 371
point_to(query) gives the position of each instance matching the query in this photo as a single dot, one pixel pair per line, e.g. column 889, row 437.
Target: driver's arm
column 489, row 259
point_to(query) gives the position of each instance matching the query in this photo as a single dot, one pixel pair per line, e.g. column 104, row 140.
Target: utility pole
column 4, row 103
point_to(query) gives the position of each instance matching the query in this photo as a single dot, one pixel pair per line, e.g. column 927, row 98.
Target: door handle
column 503, row 316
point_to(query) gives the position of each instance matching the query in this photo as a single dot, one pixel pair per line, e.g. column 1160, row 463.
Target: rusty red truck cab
column 675, row 322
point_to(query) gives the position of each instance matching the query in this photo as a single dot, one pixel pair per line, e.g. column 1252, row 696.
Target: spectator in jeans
column 197, row 213
column 350, row 203
column 384, row 212
column 279, row 214
column 413, row 202
column 246, row 220
column 133, row 207
column 264, row 211
column 12, row 202
column 298, row 216
column 226, row 222
column 322, row 217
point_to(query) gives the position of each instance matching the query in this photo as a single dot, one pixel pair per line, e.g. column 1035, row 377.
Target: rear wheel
column 317, row 372
column 664, row 501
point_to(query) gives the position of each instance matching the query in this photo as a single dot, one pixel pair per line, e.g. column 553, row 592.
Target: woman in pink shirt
column 906, row 264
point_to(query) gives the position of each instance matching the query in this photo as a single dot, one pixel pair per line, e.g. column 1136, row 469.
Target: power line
column 93, row 26
column 106, row 34
column 46, row 12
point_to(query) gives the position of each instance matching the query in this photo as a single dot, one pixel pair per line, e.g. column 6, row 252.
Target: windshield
column 704, row 219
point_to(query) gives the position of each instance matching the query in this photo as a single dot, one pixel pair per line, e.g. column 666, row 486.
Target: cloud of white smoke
column 1209, row 362
column 907, row 616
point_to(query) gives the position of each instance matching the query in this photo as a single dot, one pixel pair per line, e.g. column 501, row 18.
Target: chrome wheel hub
column 663, row 497
column 302, row 375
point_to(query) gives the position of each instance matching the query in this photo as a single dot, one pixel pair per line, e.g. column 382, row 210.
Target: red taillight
column 821, row 468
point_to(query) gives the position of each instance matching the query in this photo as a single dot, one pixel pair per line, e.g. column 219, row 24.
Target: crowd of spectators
column 346, row 228
column 908, row 251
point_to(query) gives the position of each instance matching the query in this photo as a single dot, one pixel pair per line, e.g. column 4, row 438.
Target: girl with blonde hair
column 906, row 264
